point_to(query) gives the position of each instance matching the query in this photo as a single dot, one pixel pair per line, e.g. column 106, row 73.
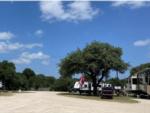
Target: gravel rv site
column 50, row 102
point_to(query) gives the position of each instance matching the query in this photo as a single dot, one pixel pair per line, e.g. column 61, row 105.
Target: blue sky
column 39, row 34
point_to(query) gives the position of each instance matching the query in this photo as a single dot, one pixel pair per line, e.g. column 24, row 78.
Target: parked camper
column 87, row 87
column 132, row 83
column 84, row 86
column 139, row 84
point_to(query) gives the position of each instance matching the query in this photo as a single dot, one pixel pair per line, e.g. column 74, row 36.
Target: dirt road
column 50, row 102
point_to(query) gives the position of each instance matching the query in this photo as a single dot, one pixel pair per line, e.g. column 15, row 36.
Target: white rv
column 87, row 87
column 139, row 84
column 132, row 83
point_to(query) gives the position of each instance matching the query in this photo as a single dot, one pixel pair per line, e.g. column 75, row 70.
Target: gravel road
column 50, row 102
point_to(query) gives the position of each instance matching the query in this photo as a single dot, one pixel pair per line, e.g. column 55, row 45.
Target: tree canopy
column 95, row 60
column 28, row 73
column 7, row 73
column 25, row 80
column 139, row 68
column 63, row 84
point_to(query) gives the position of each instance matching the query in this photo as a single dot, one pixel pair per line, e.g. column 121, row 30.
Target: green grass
column 120, row 99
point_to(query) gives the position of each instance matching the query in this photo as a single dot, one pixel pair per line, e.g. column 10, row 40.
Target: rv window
column 85, row 86
column 140, row 80
column 134, row 81
column 147, row 80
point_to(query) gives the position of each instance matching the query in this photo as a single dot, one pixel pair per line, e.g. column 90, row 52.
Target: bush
column 62, row 84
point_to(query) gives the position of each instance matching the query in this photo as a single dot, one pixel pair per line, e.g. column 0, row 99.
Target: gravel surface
column 50, row 102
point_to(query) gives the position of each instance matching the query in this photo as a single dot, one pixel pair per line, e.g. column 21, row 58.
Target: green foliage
column 95, row 61
column 7, row 74
column 23, row 82
column 63, row 84
column 74, row 60
column 41, row 81
column 139, row 68
column 94, row 58
column 28, row 73
column 117, row 82
column 26, row 80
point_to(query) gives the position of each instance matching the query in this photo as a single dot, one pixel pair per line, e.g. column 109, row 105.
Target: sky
column 38, row 34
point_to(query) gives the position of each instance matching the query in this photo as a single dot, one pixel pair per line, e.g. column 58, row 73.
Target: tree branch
column 100, row 79
column 104, row 73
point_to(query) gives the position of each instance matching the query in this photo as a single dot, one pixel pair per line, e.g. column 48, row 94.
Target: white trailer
column 139, row 84
column 87, row 87
column 132, row 83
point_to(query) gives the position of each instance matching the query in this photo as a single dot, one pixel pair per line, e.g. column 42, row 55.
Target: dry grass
column 6, row 93
column 121, row 99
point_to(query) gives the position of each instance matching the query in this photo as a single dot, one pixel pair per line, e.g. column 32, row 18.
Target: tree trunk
column 100, row 80
column 94, row 86
column 104, row 74
column 117, row 73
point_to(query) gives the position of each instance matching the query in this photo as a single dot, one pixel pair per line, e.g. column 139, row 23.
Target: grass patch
column 24, row 92
column 120, row 99
column 8, row 93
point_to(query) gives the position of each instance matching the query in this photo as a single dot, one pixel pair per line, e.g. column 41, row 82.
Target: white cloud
column 27, row 58
column 39, row 32
column 142, row 42
column 7, row 46
column 6, row 35
column 132, row 4
column 30, row 46
column 71, row 11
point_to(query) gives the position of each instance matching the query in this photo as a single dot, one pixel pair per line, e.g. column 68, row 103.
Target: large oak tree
column 95, row 60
